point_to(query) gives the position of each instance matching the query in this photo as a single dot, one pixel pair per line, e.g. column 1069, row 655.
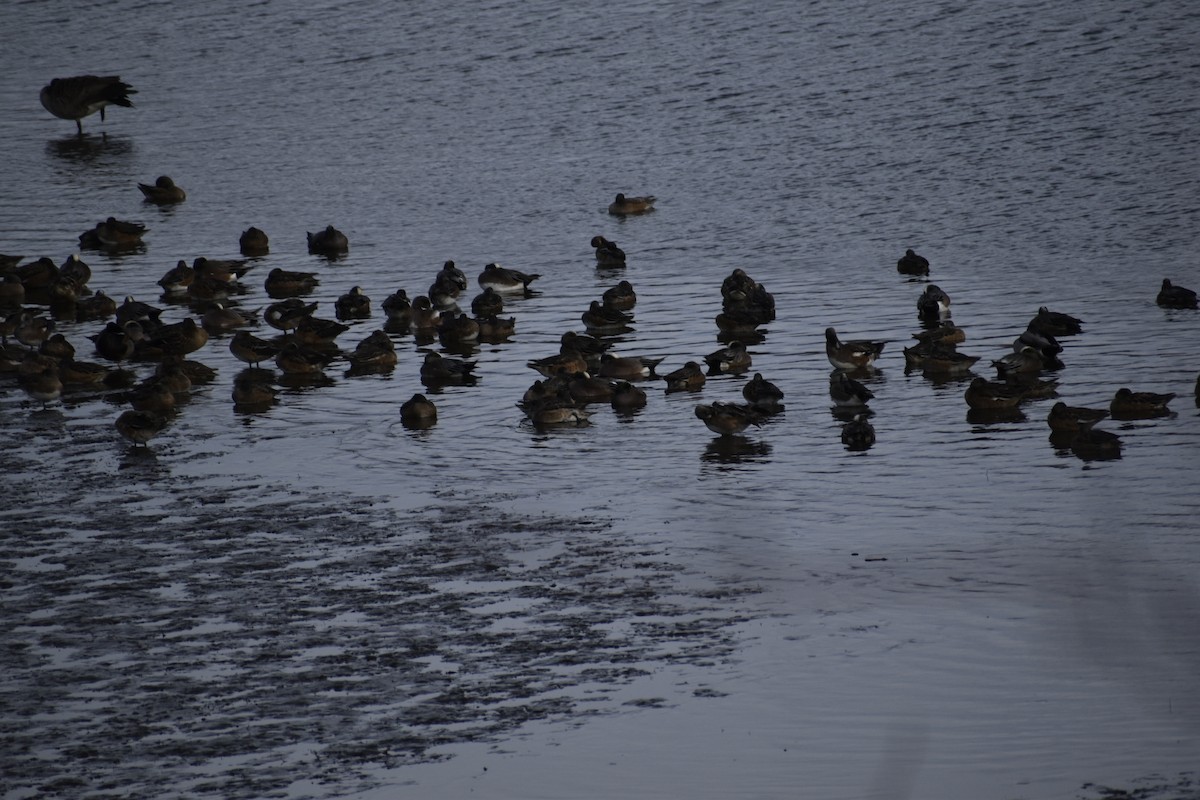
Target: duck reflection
column 736, row 449
column 992, row 416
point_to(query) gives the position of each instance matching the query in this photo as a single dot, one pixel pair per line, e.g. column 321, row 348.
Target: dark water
column 315, row 601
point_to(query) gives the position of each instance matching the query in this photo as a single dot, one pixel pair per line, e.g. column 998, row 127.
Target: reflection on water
column 90, row 150
column 736, row 449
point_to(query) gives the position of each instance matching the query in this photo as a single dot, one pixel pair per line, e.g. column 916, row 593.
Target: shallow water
column 315, row 601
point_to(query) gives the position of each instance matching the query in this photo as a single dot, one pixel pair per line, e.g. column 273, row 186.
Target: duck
column 296, row 359
column 585, row 389
column 173, row 376
column 139, row 427
column 598, row 319
column 250, row 349
column 1171, row 296
column 621, row 297
column 57, row 347
column 626, row 397
column 944, row 333
column 688, row 378
column 1127, row 404
column 225, row 270
column 12, row 292
column 456, row 328
column 622, row 205
column 1044, row 343
column 437, row 369
column 163, row 191
column 1094, row 444
column 933, row 303
column 424, row 315
column 219, row 319
column 251, row 390
column 946, row 361
column 737, row 286
column 1026, row 361
column 506, row 281
column 254, row 243
column 847, row 392
column 328, row 242
column 376, row 352
column 152, row 395
column 495, row 329
column 119, row 233
column 398, row 308
column 450, row 273
column 40, row 274
column 912, row 264
column 858, row 433
column 851, row 355
column 608, row 254
column 733, row 359
column 741, row 321
column 418, row 412
column 287, row 314
column 590, row 347
column 728, row 419
column 97, row 306
column 1055, row 323
column 83, row 95
column 75, row 269
column 985, row 395
column 77, row 374
column 197, row 372
column 178, row 278
column 354, row 304
column 178, row 338
column 1069, row 419
column 114, row 342
column 443, row 295
column 281, row 283
column 565, row 362
column 317, row 332
column 553, row 413
column 628, row 368
column 763, row 395
column 488, row 303
column 33, row 329
column 38, row 377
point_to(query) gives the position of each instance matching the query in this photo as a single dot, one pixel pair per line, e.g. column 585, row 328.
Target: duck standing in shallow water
column 84, row 95
column 622, row 205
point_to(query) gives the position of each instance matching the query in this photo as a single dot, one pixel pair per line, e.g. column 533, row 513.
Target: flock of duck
column 36, row 294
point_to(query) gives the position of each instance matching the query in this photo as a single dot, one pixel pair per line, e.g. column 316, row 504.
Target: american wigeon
column 607, row 253
column 565, row 362
column 424, row 316
column 114, row 342
column 737, row 286
column 621, row 297
column 585, row 344
column 1044, row 343
column 622, row 205
column 437, row 369
column 1094, row 444
column 452, row 275
column 176, row 339
column 247, row 347
column 587, row 389
column 506, row 281
column 1171, row 296
column 946, row 361
column 1069, row 419
column 151, row 395
column 688, row 378
column 139, row 427
column 985, row 395
column 146, row 315
column 39, row 274
column 57, row 346
column 1055, row 323
column 606, row 321
column 98, row 306
column 163, row 191
column 847, row 392
column 912, row 264
column 489, row 303
column 172, row 375
column 1127, row 404
column 763, row 395
column 851, row 355
column 38, row 377
column 329, row 242
column 219, row 319
column 550, row 414
column 33, row 329
column 12, row 292
column 933, row 303
column 282, row 283
column 296, row 359
column 496, row 329
column 75, row 269
column 226, row 270
column 252, row 391
column 418, row 412
column 254, row 242
column 81, row 374
column 197, row 372
column 178, row 278
column 628, row 368
column 627, row 397
column 116, row 233
column 354, row 304
column 456, row 328
column 286, row 315
column 318, row 332
column 1026, row 361
column 944, row 333
column 858, row 433
column 733, row 359
column 83, row 95
column 728, row 419
column 375, row 353
column 398, row 307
